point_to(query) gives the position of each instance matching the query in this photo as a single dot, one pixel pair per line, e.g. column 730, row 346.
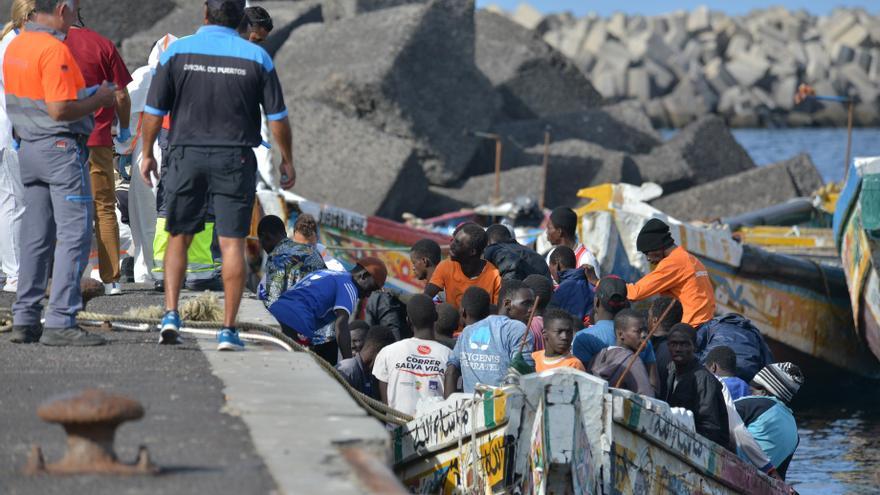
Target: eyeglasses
column 79, row 18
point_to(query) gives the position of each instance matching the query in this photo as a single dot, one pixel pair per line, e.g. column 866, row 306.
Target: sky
column 652, row 7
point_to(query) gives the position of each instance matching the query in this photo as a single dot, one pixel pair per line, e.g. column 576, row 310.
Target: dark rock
column 744, row 192
column 117, row 20
column 572, row 165
column 702, row 152
column 287, row 16
column 410, row 73
column 188, row 16
column 346, row 162
column 620, row 127
column 184, row 19
column 343, row 9
column 533, row 78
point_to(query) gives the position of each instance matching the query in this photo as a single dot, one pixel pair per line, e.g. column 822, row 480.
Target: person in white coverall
column 11, row 188
column 141, row 198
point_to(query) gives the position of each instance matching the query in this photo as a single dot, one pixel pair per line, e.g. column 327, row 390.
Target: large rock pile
column 387, row 98
column 744, row 68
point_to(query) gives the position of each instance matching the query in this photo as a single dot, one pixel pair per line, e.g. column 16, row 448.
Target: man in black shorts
column 213, row 83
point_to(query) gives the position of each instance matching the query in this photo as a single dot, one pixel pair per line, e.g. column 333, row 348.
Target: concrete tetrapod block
column 532, row 78
column 747, row 69
column 620, row 127
column 703, row 151
column 184, row 19
column 744, row 192
column 527, row 16
column 411, row 74
column 343, row 9
column 117, row 20
column 572, row 165
column 347, row 162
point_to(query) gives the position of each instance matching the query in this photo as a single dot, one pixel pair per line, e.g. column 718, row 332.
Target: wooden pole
column 525, row 336
column 644, row 343
column 545, row 165
column 498, row 150
column 849, row 128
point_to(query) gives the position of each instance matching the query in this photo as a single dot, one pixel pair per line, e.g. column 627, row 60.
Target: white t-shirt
column 413, row 369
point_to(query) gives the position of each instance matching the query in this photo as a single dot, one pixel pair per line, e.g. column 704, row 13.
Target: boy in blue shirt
column 488, row 343
column 317, row 309
column 609, row 300
column 574, row 294
column 721, row 361
column 766, row 412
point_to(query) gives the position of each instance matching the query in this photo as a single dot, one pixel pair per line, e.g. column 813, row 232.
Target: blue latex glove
column 92, row 89
column 123, row 164
column 16, row 144
column 123, row 135
column 266, row 145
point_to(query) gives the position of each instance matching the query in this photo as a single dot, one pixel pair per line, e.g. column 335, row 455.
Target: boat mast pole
column 849, row 128
column 545, row 165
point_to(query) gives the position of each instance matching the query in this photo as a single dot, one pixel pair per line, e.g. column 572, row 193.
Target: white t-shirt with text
column 413, row 369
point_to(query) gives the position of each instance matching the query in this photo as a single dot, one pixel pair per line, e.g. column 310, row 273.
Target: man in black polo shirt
column 212, row 84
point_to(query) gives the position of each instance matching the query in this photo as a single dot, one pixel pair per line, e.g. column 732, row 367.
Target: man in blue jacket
column 574, row 294
column 766, row 413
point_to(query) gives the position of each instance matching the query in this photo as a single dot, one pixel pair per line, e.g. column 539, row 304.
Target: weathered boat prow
column 564, row 431
column 799, row 303
column 857, row 233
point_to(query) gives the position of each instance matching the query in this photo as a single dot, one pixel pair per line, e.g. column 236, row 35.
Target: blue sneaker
column 228, row 340
column 170, row 331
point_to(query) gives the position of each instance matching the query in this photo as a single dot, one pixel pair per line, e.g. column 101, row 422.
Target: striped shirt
column 38, row 68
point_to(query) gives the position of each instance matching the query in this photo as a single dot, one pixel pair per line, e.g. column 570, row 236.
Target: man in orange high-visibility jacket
column 51, row 113
column 676, row 273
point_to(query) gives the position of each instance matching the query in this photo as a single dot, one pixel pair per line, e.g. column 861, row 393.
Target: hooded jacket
column 738, row 333
column 699, row 391
column 574, row 293
column 516, row 261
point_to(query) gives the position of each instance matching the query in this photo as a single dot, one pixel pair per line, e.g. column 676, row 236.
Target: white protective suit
column 141, row 198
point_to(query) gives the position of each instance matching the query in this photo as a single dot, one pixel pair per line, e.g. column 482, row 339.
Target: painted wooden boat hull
column 860, row 252
column 802, row 307
column 564, row 431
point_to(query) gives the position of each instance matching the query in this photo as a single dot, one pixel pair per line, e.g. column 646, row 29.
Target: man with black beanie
column 676, row 273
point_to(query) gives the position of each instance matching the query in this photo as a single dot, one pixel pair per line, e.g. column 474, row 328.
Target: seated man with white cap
column 766, row 413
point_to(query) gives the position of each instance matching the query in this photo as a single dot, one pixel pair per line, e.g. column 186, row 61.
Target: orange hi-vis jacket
column 684, row 277
column 39, row 68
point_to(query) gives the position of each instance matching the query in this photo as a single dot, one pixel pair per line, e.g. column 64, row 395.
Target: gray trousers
column 57, row 225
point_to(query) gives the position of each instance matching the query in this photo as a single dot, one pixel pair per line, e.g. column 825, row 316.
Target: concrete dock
column 259, row 421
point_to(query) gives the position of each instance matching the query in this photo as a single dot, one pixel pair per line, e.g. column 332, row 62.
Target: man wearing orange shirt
column 466, row 267
column 51, row 113
column 676, row 273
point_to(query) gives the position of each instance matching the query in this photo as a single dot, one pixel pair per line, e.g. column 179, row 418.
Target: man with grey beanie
column 766, row 412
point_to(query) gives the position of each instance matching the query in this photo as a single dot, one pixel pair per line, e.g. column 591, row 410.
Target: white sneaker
column 112, row 289
column 11, row 285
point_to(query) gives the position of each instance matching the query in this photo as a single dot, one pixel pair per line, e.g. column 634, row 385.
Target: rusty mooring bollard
column 90, row 419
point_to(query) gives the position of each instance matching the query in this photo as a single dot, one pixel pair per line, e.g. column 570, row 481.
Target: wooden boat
column 857, row 233
column 800, row 303
column 564, row 431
